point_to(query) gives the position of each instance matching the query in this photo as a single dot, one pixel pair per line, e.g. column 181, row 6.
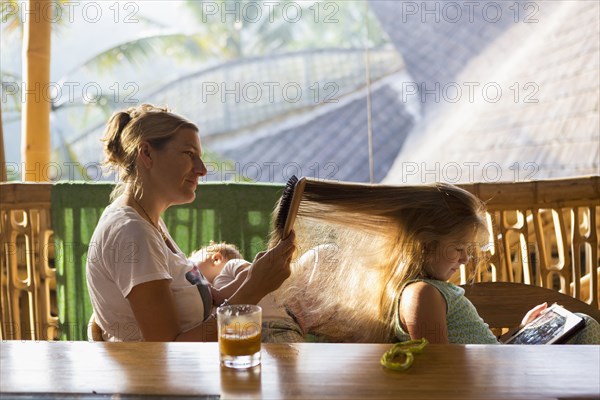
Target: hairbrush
column 289, row 203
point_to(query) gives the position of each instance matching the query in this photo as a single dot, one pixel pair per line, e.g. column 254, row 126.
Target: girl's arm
column 423, row 313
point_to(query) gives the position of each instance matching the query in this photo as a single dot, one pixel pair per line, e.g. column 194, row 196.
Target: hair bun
column 124, row 118
column 114, row 130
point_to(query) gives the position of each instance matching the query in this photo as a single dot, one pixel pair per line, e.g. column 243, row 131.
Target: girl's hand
column 533, row 314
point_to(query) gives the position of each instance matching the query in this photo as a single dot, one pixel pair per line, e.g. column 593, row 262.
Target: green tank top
column 465, row 326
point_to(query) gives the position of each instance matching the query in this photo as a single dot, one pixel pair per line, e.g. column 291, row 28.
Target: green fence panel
column 238, row 213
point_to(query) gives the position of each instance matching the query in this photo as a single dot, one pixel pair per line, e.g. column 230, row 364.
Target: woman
column 136, row 274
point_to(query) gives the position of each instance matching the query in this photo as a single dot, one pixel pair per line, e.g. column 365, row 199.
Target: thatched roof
column 328, row 142
column 544, row 124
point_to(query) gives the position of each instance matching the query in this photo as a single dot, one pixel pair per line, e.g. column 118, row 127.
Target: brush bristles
column 286, row 202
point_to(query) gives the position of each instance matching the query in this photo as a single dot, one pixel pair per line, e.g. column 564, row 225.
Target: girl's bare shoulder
column 421, row 294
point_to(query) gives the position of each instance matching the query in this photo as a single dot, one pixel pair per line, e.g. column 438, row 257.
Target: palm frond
column 139, row 51
column 11, row 15
column 9, row 77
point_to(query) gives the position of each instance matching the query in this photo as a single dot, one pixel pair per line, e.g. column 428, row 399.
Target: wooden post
column 3, row 176
column 35, row 119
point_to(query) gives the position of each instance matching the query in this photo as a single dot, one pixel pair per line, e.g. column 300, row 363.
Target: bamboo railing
column 543, row 233
column 27, row 273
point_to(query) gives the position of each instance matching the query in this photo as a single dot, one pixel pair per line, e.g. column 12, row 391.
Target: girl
column 395, row 249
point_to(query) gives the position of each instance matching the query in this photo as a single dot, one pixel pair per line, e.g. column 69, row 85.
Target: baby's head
column 211, row 259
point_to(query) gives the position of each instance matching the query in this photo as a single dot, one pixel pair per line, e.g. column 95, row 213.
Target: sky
column 85, row 29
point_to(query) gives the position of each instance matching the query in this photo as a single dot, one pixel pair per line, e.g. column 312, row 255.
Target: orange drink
column 234, row 344
column 239, row 335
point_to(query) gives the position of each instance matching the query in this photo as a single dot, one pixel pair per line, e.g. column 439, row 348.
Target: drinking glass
column 239, row 335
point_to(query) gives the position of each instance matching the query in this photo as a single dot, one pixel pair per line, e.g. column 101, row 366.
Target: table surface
column 300, row 371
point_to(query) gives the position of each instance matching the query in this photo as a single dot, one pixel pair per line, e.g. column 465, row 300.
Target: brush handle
column 294, row 205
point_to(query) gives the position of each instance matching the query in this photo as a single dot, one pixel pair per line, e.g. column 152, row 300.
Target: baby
column 225, row 269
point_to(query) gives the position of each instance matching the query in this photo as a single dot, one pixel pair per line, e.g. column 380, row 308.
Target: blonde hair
column 381, row 236
column 227, row 250
column 127, row 129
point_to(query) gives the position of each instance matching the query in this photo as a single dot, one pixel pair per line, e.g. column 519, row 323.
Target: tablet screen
column 553, row 326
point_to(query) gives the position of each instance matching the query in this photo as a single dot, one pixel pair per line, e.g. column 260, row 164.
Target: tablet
column 554, row 325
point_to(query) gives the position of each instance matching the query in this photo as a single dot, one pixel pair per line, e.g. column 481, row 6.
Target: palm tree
column 335, row 24
column 36, row 115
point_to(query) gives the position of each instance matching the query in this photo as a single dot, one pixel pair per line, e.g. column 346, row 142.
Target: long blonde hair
column 127, row 129
column 376, row 240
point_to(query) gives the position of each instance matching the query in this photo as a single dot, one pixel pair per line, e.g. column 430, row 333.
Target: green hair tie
column 408, row 349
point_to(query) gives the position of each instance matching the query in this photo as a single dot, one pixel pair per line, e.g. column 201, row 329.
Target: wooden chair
column 94, row 332
column 504, row 304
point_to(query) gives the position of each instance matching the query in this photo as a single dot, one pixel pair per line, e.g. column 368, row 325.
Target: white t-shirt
column 125, row 251
column 229, row 272
column 270, row 309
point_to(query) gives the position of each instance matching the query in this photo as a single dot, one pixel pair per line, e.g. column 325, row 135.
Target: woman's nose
column 199, row 167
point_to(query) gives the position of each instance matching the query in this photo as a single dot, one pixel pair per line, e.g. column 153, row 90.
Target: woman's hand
column 533, row 314
column 268, row 271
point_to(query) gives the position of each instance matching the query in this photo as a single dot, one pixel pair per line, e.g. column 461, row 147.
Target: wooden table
column 301, row 371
